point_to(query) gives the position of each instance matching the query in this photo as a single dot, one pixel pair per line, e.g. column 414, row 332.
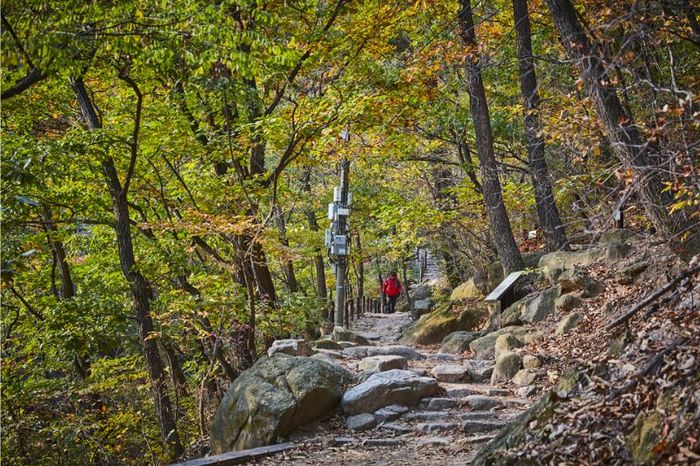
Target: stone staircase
column 446, row 428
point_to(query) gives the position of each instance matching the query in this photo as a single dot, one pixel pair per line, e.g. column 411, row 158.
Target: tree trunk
column 554, row 234
column 360, row 267
column 319, row 263
column 619, row 125
column 140, row 286
column 498, row 217
column 288, row 265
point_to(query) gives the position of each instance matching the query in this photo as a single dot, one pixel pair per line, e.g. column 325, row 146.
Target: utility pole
column 337, row 236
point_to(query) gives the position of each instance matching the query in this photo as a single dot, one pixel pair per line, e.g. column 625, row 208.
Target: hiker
column 392, row 290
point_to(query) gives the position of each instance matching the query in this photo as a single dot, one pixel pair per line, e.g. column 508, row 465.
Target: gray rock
column 629, row 273
column 617, row 235
column 443, row 357
column 466, row 290
column 422, row 306
column 457, row 342
column 541, row 306
column 460, row 392
column 477, row 416
column 272, row 398
column 360, row 422
column 383, row 442
column 437, row 404
column 568, row 323
column 497, row 392
column 421, row 292
column 438, row 427
column 506, row 342
column 341, row 334
column 390, row 413
column 387, row 388
column 477, row 427
column 507, row 365
column 567, row 302
column 554, row 263
column 383, row 363
column 482, row 403
column 327, row 344
column 290, row 347
column 397, row 350
column 531, row 362
column 347, row 344
column 484, row 347
column 396, row 427
column 427, row 416
column 524, row 377
column 574, row 279
column 423, row 441
column 450, row 373
column 526, row 392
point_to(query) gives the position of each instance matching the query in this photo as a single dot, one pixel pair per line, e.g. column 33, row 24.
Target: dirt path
column 443, row 430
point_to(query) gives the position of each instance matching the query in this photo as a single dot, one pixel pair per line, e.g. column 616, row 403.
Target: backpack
column 392, row 287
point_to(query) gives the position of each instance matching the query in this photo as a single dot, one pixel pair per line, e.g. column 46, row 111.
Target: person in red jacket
column 392, row 290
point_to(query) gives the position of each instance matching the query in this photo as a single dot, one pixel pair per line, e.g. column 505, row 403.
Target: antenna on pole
column 337, row 237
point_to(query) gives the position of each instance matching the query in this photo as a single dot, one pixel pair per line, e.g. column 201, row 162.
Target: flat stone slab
column 437, row 404
column 427, row 416
column 450, row 373
column 439, row 427
column 388, row 388
column 481, row 402
column 290, row 347
column 383, row 363
column 383, row 442
column 360, row 422
column 360, row 352
column 478, row 416
column 460, row 392
column 396, row 427
column 433, row 441
column 390, row 413
column 477, row 427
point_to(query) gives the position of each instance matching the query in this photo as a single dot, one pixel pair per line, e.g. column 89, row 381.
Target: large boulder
column 433, row 327
column 554, row 263
column 272, row 398
column 541, row 306
column 327, row 344
column 341, row 334
column 290, row 347
column 484, row 347
column 511, row 315
column 457, row 342
column 567, row 302
column 466, row 290
column 388, row 388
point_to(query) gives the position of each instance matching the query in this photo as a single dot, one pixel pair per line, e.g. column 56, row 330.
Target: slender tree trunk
column 619, row 124
column 288, row 266
column 360, row 268
column 140, row 286
column 67, row 290
column 319, row 263
column 554, row 234
column 498, row 217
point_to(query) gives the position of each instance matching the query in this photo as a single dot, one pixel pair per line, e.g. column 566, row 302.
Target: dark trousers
column 391, row 304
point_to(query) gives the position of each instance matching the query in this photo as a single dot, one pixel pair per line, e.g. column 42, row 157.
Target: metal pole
column 342, row 260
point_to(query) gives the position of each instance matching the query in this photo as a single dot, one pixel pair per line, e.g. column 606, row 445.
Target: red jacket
column 392, row 286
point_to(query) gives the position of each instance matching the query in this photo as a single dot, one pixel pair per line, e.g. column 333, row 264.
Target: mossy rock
column 484, row 347
column 645, row 436
column 434, row 327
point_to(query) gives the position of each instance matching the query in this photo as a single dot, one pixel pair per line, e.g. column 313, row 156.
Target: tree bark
column 288, row 265
column 619, row 124
column 550, row 222
column 498, row 217
column 140, row 286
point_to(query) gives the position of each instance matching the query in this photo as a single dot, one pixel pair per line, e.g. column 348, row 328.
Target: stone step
column 460, row 392
column 422, row 441
column 437, row 404
column 383, row 442
column 427, row 416
column 439, row 427
column 477, row 427
column 395, row 427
